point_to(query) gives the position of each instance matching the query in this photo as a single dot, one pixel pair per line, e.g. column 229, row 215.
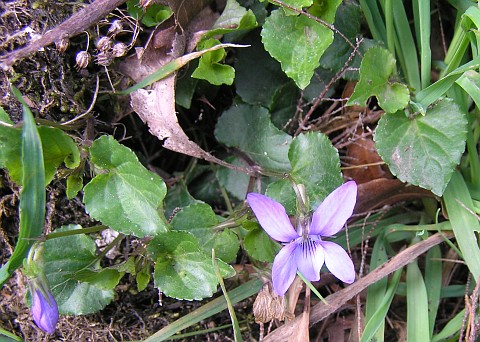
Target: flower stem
column 88, row 230
column 231, row 311
column 302, row 199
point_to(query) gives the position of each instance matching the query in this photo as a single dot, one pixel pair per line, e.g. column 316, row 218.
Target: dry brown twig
column 303, row 124
column 470, row 322
column 77, row 23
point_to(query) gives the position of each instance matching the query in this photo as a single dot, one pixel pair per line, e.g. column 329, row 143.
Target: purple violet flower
column 44, row 310
column 304, row 249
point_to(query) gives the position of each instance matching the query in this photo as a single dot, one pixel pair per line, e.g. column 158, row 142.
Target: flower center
column 308, row 246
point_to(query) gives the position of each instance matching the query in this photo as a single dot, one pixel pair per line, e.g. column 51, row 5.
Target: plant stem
column 94, row 229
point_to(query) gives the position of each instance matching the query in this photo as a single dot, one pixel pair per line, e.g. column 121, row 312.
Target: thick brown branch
column 77, row 23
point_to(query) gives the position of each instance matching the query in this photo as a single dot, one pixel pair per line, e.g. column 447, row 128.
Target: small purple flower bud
column 44, row 307
column 44, row 310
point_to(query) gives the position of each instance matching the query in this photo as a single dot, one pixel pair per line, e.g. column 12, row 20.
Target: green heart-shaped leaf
column 126, row 197
column 425, row 149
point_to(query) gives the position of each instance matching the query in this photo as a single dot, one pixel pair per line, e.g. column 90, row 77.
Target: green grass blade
column 464, row 224
column 379, row 317
column 376, row 291
column 236, row 328
column 471, row 24
column 314, row 290
column 421, row 17
column 357, row 234
column 456, row 51
column 199, row 333
column 473, row 157
column 6, row 336
column 215, row 306
column 434, row 227
column 417, row 305
column 406, row 49
column 460, row 97
column 374, row 19
column 390, row 28
column 470, row 81
column 171, row 67
column 32, row 195
column 466, row 89
column 452, row 291
column 467, row 18
column 461, row 5
column 433, row 92
column 433, row 282
column 452, row 327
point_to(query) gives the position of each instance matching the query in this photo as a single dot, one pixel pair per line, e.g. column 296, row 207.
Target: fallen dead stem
column 338, row 299
column 77, row 23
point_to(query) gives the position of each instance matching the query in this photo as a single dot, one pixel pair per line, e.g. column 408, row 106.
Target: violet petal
column 272, row 217
column 338, row 262
column 284, row 268
column 334, row 211
column 310, row 257
column 45, row 312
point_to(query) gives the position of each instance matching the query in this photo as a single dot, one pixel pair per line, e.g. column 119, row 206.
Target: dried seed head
column 104, row 58
column 268, row 305
column 62, row 45
column 104, row 44
column 115, row 27
column 119, row 49
column 83, row 59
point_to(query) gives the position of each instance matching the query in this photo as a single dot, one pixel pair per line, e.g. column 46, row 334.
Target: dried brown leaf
column 364, row 163
column 303, row 330
column 382, row 191
column 293, row 294
column 156, row 106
